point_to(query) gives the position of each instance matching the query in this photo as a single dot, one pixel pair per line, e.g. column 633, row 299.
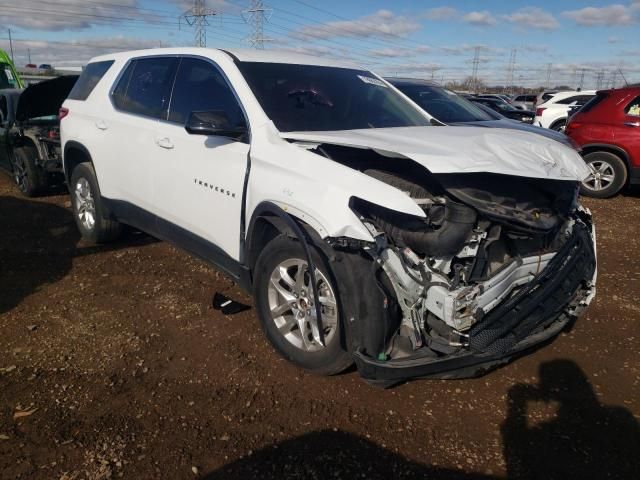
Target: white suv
column 554, row 112
column 364, row 233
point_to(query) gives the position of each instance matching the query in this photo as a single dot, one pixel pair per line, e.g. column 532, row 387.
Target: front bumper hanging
column 535, row 314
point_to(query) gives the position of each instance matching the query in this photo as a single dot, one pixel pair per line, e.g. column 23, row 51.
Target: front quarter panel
column 313, row 188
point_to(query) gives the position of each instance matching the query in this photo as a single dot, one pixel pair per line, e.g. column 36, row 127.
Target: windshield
column 443, row 104
column 505, row 106
column 315, row 98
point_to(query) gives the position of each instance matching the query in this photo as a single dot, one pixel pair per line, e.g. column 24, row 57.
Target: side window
column 520, row 98
column 568, row 100
column 89, row 78
column 531, row 98
column 633, row 108
column 145, row 86
column 200, row 86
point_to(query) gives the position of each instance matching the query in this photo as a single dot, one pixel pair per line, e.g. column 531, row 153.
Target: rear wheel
column 88, row 208
column 284, row 300
column 608, row 175
column 29, row 177
column 559, row 126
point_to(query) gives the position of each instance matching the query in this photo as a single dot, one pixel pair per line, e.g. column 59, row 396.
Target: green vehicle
column 9, row 78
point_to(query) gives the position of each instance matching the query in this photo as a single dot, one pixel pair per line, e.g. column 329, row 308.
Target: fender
column 615, row 148
column 72, row 145
column 270, row 209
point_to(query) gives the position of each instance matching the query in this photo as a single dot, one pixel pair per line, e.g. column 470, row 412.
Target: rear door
column 198, row 179
column 140, row 99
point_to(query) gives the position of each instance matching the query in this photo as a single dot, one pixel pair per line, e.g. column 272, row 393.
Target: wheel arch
column 606, row 147
column 557, row 122
column 74, row 154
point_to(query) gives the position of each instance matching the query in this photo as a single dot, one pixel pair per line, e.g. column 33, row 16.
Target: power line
column 474, row 72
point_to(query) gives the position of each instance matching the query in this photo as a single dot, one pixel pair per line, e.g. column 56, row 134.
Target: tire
column 30, row 179
column 559, row 126
column 284, row 332
column 612, row 171
column 88, row 209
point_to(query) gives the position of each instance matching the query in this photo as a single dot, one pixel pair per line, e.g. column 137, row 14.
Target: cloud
column 613, row 40
column 67, row 14
column 533, row 17
column 76, row 52
column 480, row 19
column 611, row 15
column 440, row 13
column 382, row 24
column 390, row 52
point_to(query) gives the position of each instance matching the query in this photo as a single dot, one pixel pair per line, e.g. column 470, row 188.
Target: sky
column 561, row 42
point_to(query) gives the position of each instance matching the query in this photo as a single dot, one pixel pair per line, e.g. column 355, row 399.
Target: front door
column 199, row 179
column 4, row 133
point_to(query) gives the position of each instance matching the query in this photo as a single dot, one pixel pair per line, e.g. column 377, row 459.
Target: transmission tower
column 614, row 79
column 582, row 70
column 197, row 17
column 474, row 71
column 511, row 68
column 255, row 16
column 599, row 79
column 548, row 75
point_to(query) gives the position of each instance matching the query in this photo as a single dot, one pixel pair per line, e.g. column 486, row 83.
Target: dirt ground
column 113, row 364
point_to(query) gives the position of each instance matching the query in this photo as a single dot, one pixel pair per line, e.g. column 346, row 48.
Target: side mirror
column 214, row 122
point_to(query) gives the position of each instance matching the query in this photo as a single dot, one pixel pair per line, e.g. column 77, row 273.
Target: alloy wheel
column 290, row 296
column 85, row 206
column 601, row 176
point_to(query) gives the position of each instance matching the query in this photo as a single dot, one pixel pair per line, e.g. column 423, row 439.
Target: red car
column 608, row 130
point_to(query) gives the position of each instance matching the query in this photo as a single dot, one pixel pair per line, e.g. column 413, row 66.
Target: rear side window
column 200, row 86
column 578, row 99
column 89, row 78
column 593, row 102
column 633, row 108
column 520, row 98
column 145, row 86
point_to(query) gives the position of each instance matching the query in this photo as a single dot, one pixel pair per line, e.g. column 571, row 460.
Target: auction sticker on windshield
column 372, row 81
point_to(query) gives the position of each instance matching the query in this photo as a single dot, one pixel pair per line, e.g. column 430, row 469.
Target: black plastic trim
column 634, row 175
column 176, row 235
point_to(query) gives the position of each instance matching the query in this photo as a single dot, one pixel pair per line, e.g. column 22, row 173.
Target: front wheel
column 284, row 300
column 88, row 208
column 560, row 126
column 608, row 175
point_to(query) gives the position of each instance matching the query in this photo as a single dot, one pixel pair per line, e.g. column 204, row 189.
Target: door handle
column 164, row 142
column 632, row 124
column 101, row 125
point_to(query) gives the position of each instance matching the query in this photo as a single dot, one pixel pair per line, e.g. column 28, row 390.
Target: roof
column 243, row 55
column 569, row 93
column 405, row 82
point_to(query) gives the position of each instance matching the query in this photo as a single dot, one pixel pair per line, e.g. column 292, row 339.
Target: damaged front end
column 499, row 263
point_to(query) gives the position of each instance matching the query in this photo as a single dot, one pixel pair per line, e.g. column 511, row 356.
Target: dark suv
column 608, row 130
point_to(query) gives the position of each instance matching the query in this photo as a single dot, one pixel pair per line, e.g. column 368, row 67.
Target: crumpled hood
column 463, row 150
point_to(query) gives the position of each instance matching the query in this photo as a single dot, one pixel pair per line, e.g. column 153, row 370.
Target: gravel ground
column 113, row 364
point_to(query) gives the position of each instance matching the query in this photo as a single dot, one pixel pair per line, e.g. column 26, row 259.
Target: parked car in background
column 30, row 65
column 544, row 96
column 505, row 109
column 499, row 96
column 524, row 102
column 452, row 109
column 9, row 77
column 364, row 233
column 30, row 133
column 45, row 66
column 554, row 112
column 608, row 130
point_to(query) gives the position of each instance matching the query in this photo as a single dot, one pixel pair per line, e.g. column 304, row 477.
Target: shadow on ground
column 554, row 430
column 38, row 242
